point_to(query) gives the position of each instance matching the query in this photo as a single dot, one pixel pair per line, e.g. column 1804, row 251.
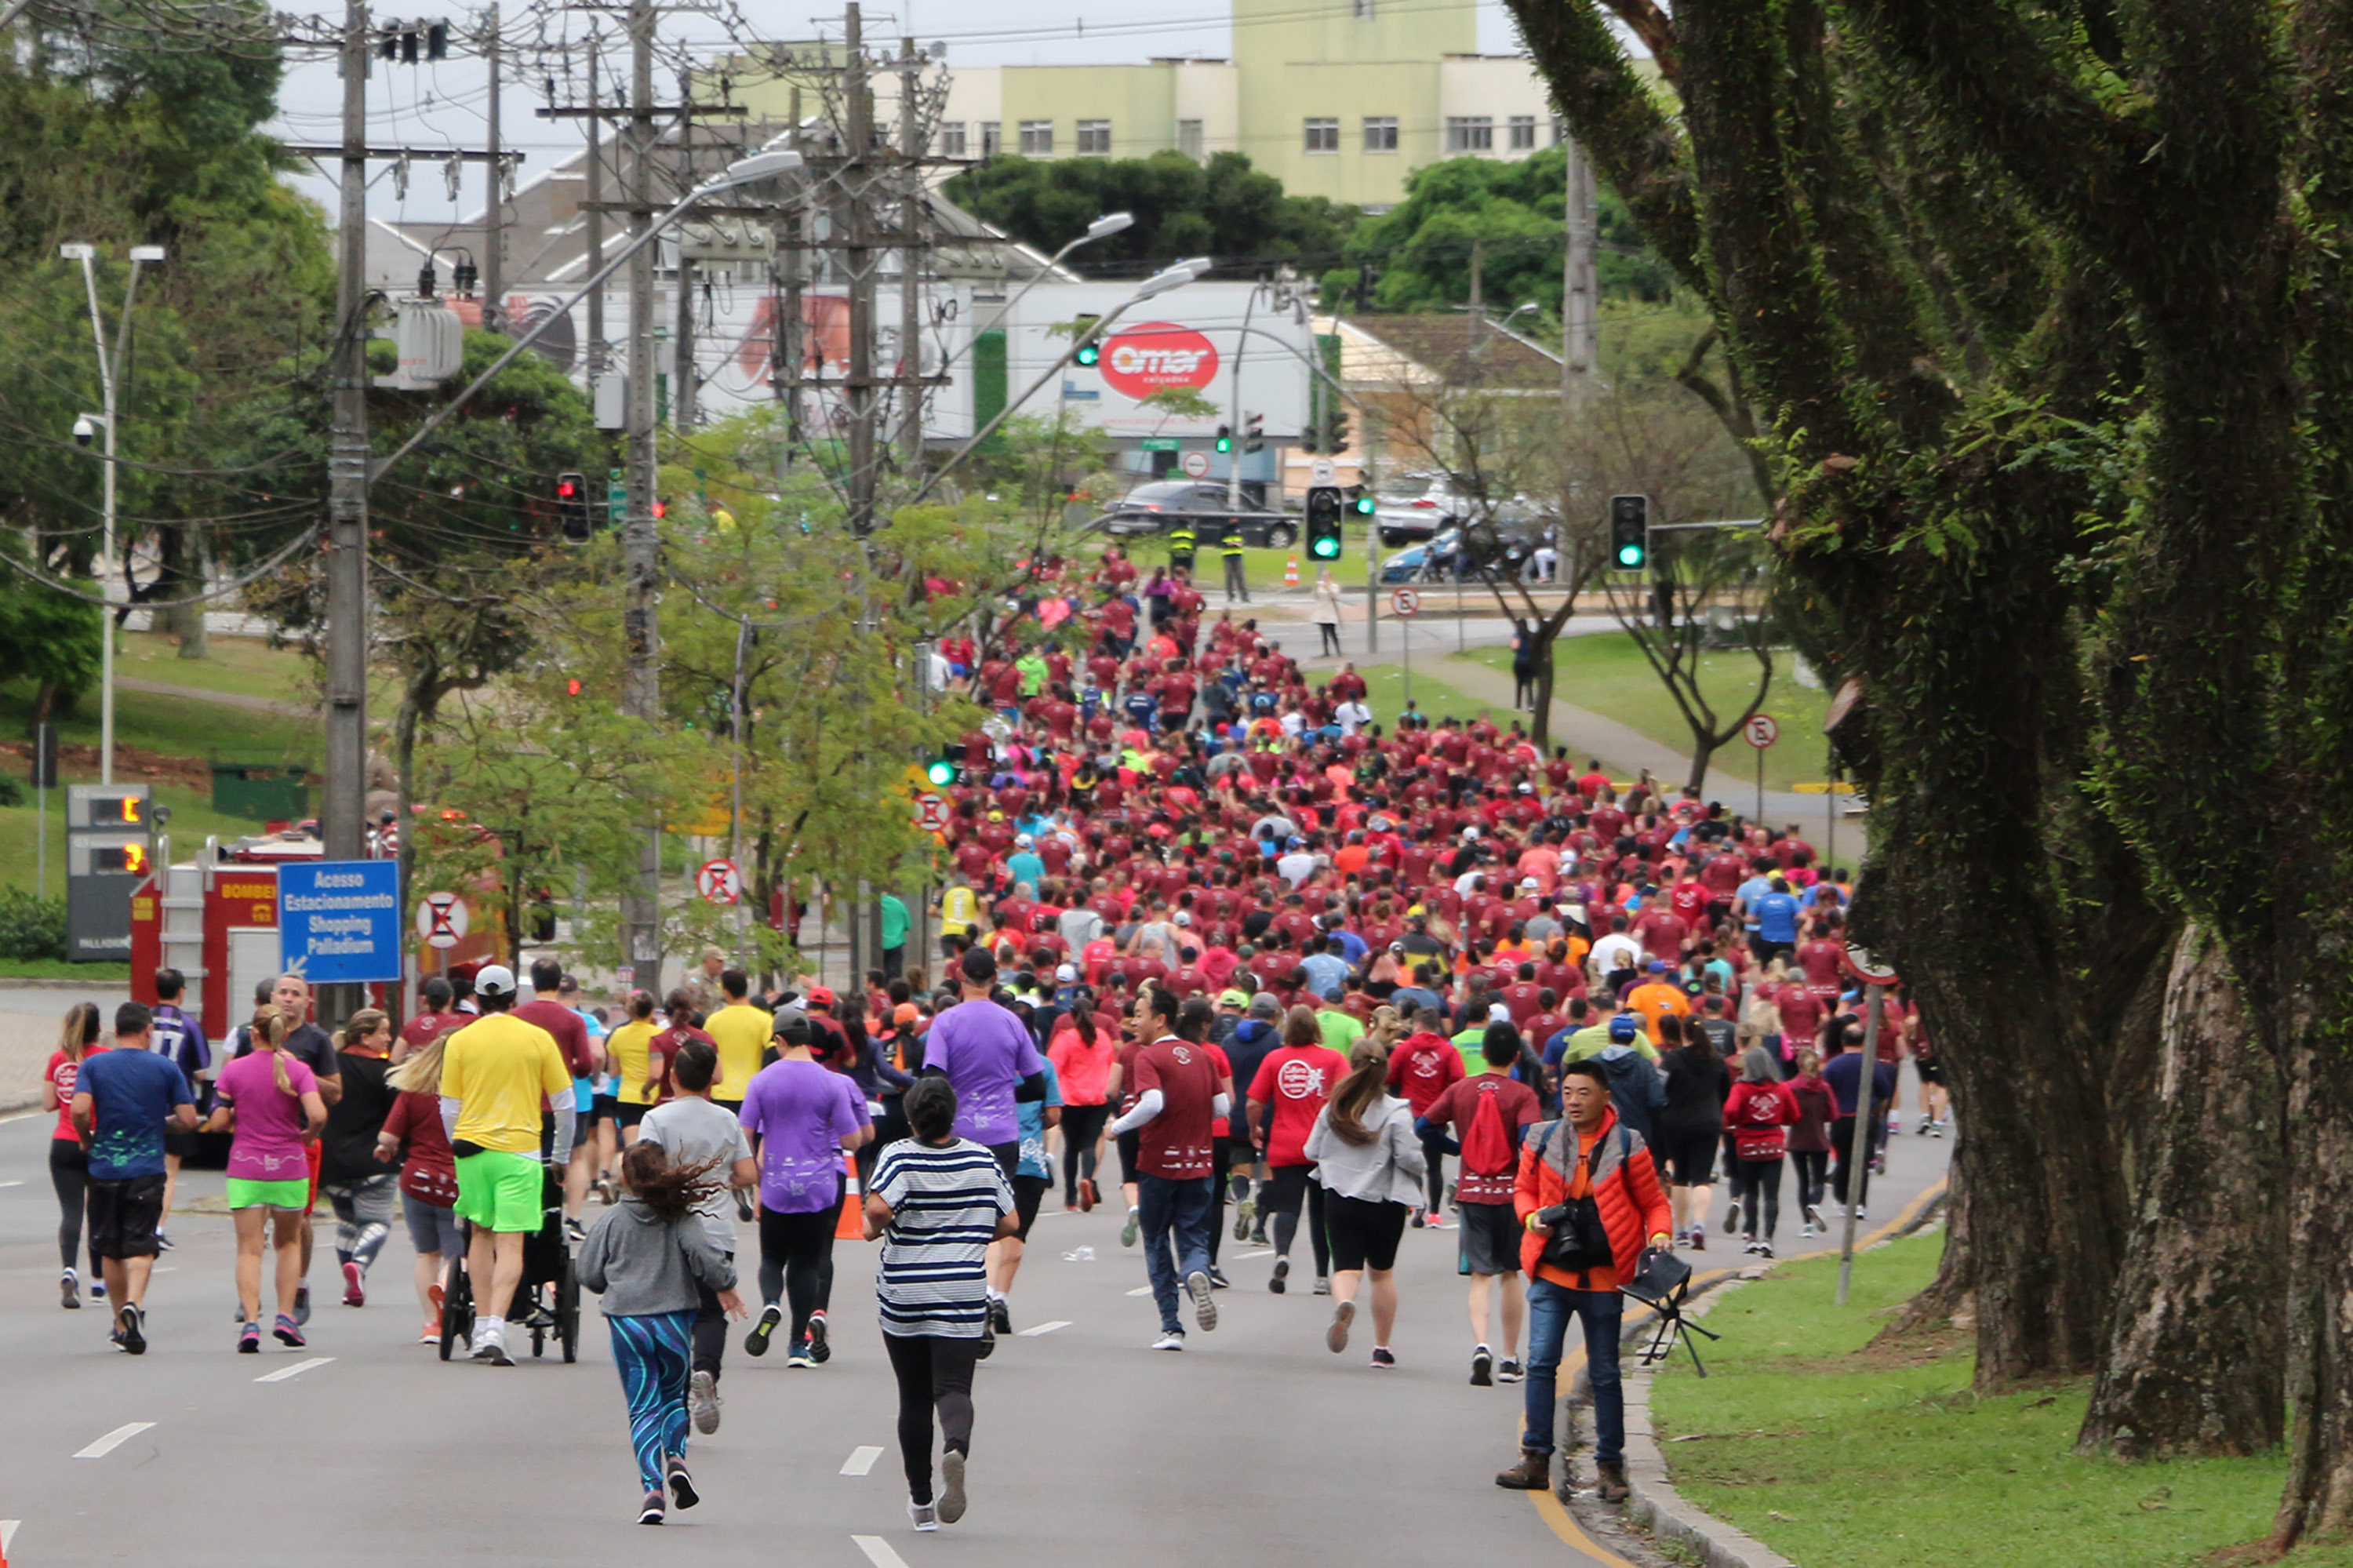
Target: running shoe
column 491, row 1349
column 354, row 1285
column 1087, row 1199
column 301, row 1304
column 98, row 1290
column 924, row 1516
column 951, row 1498
column 434, row 1294
column 1128, row 1231
column 1246, row 1220
column 1414, row 1219
column 1257, row 1231
column 653, row 1509
column 1509, row 1370
column 1894, row 1122
column 1763, row 1249
column 1732, row 1217
column 1482, row 1367
column 819, row 1339
column 129, row 1328
column 1384, row 1358
column 1282, row 1273
column 1205, row 1305
column 69, row 1292
column 573, row 1231
column 987, row 1341
column 286, row 1331
column 1000, row 1317
column 756, row 1343
column 429, row 1335
column 1218, row 1280
column 1699, row 1238
column 702, row 1403
column 1336, row 1338
column 1170, row 1339
column 163, row 1241
column 1814, row 1218
column 1749, row 1244
column 249, row 1340
column 800, row 1355
column 1804, row 1232
column 682, row 1484
column 1323, row 1285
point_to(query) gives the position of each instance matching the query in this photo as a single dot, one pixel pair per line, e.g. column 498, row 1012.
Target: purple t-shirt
column 267, row 1145
column 800, row 1112
column 986, row 1051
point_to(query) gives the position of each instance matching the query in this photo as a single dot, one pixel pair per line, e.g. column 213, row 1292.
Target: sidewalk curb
column 1653, row 1501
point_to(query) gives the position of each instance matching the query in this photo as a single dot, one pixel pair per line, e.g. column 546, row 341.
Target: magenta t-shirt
column 267, row 1145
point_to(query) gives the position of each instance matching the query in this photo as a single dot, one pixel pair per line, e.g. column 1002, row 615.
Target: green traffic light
column 1327, row 548
column 1630, row 556
column 1225, row 443
column 1089, row 354
column 941, row 771
column 1365, row 506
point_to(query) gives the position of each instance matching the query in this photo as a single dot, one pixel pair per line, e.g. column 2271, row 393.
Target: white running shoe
column 1174, row 1339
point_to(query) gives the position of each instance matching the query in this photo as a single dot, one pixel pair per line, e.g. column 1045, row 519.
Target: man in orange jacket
column 1594, row 1181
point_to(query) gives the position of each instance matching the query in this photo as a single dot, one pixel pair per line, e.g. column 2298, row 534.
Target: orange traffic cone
column 851, row 1226
column 1290, row 571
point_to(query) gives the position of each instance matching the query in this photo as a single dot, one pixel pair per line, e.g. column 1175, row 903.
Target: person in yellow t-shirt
column 959, row 914
column 632, row 1048
column 741, row 1032
column 500, row 1076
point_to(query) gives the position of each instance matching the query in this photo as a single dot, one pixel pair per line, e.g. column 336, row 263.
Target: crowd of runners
column 1218, row 946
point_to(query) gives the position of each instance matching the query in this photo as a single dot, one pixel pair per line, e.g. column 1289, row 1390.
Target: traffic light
column 1324, row 512
column 1362, row 502
column 1225, row 438
column 1089, row 351
column 1254, row 433
column 571, row 508
column 941, row 769
column 661, row 509
column 572, row 686
column 1333, row 436
column 1629, row 532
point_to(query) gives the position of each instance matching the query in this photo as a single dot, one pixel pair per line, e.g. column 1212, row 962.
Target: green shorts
column 500, row 1191
column 285, row 1196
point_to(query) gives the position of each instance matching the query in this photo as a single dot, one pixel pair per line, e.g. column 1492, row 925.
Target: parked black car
column 1149, row 509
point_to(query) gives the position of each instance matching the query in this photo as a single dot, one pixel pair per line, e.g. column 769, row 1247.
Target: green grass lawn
column 246, row 666
column 1831, row 1453
column 175, row 727
column 1607, row 674
column 57, row 968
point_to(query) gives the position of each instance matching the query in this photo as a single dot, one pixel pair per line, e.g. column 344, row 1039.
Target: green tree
column 1224, row 208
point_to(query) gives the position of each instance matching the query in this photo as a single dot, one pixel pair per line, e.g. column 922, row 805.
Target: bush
column 12, row 792
column 30, row 926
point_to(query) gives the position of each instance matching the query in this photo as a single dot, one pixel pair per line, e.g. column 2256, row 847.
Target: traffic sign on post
column 1868, row 969
column 720, row 881
column 441, row 920
column 932, row 813
column 339, row 920
column 1760, row 731
column 1405, row 602
column 1195, row 466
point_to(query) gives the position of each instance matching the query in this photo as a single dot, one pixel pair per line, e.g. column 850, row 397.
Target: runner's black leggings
column 1081, row 1130
column 932, row 1370
column 1813, row 1174
column 795, row 1252
column 70, row 1173
column 1757, row 1183
column 1285, row 1186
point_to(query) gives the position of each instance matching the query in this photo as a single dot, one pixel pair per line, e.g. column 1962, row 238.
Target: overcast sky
column 441, row 106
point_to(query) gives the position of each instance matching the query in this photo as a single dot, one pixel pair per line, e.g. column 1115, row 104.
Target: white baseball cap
column 494, row 979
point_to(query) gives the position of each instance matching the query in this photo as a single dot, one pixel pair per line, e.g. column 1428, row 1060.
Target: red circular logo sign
column 1138, row 361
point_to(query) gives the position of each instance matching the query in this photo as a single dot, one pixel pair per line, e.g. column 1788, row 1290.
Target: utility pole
column 595, row 206
column 347, row 488
column 640, row 543
column 911, row 215
column 791, row 235
column 681, row 350
column 1580, row 288
column 494, row 228
column 858, row 250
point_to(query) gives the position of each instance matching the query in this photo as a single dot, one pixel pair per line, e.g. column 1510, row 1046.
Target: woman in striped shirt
column 936, row 1202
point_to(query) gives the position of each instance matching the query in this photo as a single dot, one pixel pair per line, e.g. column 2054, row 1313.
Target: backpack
column 1486, row 1144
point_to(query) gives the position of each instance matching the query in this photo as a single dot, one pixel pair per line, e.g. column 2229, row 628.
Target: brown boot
column 1532, row 1473
column 1609, row 1481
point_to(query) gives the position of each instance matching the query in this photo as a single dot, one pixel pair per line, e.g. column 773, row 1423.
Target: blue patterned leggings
column 654, row 1353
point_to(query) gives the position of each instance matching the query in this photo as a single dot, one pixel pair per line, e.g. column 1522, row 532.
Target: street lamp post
column 84, row 427
column 1109, row 224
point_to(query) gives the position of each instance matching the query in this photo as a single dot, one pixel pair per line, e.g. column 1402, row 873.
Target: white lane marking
column 297, row 1370
column 860, row 1461
column 878, row 1552
column 10, row 1184
column 8, row 1534
column 1141, row 1291
column 1045, row 1329
column 113, row 1440
column 1267, row 1253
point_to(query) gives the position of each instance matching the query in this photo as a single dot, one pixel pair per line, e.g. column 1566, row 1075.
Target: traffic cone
column 851, row 1226
column 1290, row 571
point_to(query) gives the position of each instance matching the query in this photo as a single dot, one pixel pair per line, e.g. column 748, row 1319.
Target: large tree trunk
column 2204, row 1271
column 2317, row 1498
column 181, row 550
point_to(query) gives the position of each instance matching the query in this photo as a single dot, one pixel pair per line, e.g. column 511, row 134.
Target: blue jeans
column 1187, row 1208
column 1549, row 1307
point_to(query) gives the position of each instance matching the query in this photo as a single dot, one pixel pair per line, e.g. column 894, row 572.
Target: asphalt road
column 1254, row 1445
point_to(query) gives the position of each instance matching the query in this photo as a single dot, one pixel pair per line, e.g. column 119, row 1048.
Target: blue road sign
column 339, row 920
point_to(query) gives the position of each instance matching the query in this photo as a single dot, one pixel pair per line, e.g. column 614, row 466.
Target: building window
column 1323, row 135
column 951, row 138
column 1524, row 132
column 1094, row 138
column 1037, row 138
column 992, row 138
column 1380, row 133
column 1189, row 140
column 1470, row 133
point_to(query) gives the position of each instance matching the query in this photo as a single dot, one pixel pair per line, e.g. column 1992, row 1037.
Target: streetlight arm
column 98, row 330
column 612, row 264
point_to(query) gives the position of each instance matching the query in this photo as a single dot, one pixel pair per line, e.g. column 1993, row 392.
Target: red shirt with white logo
column 1293, row 1083
column 1178, row 1144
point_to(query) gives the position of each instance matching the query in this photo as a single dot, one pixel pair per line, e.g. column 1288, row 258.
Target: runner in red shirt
column 1291, row 1088
column 1180, row 1095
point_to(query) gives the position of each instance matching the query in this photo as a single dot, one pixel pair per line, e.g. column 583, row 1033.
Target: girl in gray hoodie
column 645, row 1256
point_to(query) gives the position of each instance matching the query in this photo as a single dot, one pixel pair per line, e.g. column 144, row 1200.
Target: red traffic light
column 572, row 687
column 661, row 510
column 566, row 490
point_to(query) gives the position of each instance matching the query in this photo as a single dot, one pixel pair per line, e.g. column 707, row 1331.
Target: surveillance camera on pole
column 85, row 430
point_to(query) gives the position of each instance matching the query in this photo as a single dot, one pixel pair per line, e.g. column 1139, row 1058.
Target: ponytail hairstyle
column 358, row 1027
column 641, row 1006
column 421, row 1074
column 79, row 1032
column 671, row 1192
column 269, row 1029
column 1367, row 1081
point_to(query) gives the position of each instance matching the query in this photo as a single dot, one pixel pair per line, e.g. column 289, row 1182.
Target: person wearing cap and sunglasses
column 500, row 1078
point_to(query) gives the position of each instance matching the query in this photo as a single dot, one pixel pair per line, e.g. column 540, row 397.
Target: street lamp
column 1160, row 282
column 85, row 427
column 1109, row 224
column 764, row 165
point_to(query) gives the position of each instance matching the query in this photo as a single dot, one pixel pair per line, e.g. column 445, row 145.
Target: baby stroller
column 547, row 1299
